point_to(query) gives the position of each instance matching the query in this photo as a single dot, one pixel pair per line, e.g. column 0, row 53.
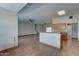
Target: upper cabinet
column 58, row 26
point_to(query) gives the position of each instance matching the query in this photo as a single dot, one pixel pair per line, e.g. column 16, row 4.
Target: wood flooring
column 30, row 46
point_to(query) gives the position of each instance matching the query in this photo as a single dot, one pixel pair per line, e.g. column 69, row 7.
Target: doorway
column 72, row 30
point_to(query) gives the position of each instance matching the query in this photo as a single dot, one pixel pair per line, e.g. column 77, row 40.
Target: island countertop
column 51, row 32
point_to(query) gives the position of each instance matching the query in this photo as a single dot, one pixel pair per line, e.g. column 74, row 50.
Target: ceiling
column 16, row 7
column 46, row 11
column 41, row 12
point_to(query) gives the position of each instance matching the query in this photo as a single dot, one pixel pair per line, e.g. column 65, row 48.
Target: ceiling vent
column 70, row 17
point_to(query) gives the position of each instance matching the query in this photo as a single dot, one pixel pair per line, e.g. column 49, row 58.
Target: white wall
column 78, row 30
column 8, row 29
column 75, row 30
column 41, row 27
column 65, row 19
column 25, row 28
column 29, row 28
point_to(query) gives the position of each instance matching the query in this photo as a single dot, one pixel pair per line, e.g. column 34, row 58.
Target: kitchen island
column 51, row 39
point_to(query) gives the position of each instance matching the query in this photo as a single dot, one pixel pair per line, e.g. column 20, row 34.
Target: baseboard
column 26, row 35
column 74, row 38
column 9, row 49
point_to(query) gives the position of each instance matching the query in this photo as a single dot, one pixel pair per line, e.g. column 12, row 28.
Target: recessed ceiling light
column 62, row 12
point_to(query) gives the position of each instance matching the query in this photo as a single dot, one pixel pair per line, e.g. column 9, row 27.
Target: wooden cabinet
column 63, row 36
column 63, row 39
column 58, row 26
